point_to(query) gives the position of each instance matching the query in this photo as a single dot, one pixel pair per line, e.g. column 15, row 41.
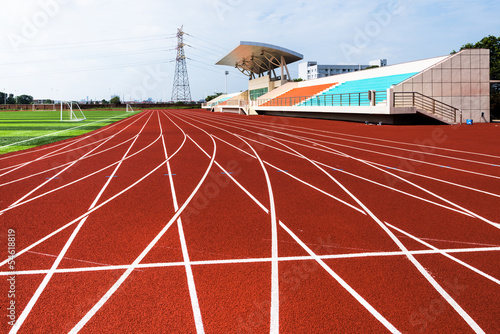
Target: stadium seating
column 355, row 92
column 221, row 99
column 297, row 95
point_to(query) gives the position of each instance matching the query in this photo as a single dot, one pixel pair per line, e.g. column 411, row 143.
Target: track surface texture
column 193, row 222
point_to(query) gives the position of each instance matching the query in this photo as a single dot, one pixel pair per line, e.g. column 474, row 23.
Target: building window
column 256, row 93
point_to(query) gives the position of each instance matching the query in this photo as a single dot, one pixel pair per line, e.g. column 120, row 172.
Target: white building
column 311, row 70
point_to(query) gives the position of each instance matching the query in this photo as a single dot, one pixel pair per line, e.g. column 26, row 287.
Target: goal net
column 71, row 112
column 129, row 108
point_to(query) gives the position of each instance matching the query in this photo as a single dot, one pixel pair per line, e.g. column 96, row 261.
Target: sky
column 79, row 49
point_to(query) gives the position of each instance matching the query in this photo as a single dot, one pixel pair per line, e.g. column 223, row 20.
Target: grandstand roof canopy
column 258, row 58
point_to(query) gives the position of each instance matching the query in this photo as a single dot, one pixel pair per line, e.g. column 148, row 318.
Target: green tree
column 24, row 99
column 3, row 97
column 11, row 99
column 211, row 97
column 493, row 44
column 495, row 101
column 104, row 101
column 115, row 100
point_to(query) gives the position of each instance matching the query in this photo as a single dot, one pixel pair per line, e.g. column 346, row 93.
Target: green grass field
column 20, row 130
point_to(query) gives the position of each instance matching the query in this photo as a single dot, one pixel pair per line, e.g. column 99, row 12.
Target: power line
column 213, row 54
column 90, row 56
column 108, row 67
column 213, row 69
column 75, row 45
column 223, row 48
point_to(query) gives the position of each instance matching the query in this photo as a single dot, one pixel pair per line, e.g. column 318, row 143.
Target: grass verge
column 20, row 130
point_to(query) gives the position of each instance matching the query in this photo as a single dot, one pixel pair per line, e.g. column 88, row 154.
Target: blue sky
column 71, row 49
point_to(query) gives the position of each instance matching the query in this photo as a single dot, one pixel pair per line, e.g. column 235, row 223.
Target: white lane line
column 60, row 151
column 373, row 144
column 71, row 164
column 84, row 215
column 357, row 136
column 94, row 209
column 274, row 325
column 438, row 180
column 277, row 168
column 134, row 265
column 53, row 133
column 343, row 283
column 82, row 178
column 255, row 260
column 195, row 305
column 55, row 152
column 494, row 224
column 370, row 151
column 76, row 140
column 405, row 158
column 336, row 277
column 474, row 269
column 27, row 310
column 334, row 152
column 417, row 264
column 345, row 172
column 63, row 165
column 275, row 293
column 24, row 164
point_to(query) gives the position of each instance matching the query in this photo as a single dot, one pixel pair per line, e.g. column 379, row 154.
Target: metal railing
column 331, row 100
column 427, row 104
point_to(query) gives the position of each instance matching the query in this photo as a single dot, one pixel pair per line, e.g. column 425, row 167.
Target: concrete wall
column 461, row 80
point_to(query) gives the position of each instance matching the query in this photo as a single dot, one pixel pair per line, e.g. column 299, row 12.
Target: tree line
column 11, row 99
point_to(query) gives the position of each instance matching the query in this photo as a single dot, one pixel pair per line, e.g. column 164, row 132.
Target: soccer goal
column 71, row 112
column 44, row 107
column 129, row 108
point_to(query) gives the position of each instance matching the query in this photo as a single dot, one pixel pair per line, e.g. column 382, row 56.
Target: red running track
column 193, row 222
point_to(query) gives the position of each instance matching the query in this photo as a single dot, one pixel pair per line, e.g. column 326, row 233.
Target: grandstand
column 297, row 95
column 447, row 89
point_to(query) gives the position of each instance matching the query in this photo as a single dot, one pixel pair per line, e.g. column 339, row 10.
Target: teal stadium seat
column 220, row 101
column 347, row 93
